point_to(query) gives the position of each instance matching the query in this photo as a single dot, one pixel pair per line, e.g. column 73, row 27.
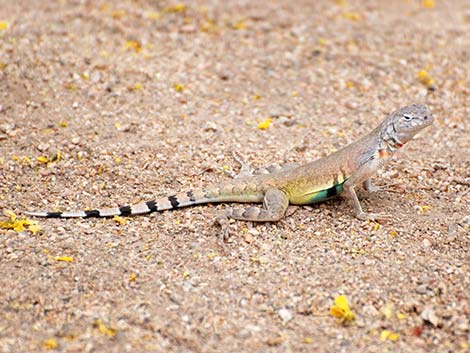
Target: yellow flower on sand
column 388, row 335
column 341, row 310
column 19, row 224
column 265, row 124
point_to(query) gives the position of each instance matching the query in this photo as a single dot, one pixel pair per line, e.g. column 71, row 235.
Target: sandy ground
column 145, row 98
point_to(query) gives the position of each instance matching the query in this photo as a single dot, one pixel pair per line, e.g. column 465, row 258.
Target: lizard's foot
column 387, row 187
column 369, row 187
column 375, row 188
column 245, row 168
column 226, row 230
column 378, row 217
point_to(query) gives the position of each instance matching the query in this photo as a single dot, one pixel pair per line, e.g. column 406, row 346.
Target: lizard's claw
column 378, row 217
column 226, row 231
column 387, row 187
column 375, row 188
column 245, row 168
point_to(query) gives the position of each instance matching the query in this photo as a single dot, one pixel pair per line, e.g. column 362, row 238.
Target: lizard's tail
column 166, row 203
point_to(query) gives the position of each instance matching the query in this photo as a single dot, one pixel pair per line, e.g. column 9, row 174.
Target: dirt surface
column 144, row 98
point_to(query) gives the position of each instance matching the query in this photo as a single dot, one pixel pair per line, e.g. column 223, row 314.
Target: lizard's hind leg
column 275, row 204
column 246, row 170
column 275, row 168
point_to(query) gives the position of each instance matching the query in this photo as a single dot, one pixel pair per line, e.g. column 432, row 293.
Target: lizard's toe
column 387, row 187
column 226, row 230
column 378, row 217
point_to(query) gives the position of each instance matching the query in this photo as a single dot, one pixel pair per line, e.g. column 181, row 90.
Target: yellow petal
column 265, row 124
column 18, row 226
column 384, row 335
column 153, row 15
column 353, row 16
column 428, row 4
column 175, row 8
column 63, row 258
column 336, row 312
column 108, row 331
column 178, row 87
column 387, row 311
column 342, row 3
column 133, row 45
column 423, row 209
column 239, row 25
column 120, row 220
column 388, row 335
column 42, row 159
column 401, row 316
column 50, row 343
column 342, row 302
column 341, row 309
column 425, row 78
column 118, row 14
column 3, row 25
column 26, row 160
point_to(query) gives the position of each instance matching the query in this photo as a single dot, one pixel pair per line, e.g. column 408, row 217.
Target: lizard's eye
column 407, row 117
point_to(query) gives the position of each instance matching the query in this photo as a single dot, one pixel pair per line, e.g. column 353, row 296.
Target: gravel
column 124, row 101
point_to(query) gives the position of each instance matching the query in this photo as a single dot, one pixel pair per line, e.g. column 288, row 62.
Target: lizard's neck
column 389, row 138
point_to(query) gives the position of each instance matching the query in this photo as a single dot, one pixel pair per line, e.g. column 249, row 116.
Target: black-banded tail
column 166, row 203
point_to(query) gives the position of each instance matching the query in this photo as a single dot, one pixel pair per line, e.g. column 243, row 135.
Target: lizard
column 338, row 173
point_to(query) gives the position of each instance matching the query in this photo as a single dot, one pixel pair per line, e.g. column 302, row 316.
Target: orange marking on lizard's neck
column 384, row 153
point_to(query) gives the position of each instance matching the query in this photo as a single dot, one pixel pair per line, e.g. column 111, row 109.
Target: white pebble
column 285, row 314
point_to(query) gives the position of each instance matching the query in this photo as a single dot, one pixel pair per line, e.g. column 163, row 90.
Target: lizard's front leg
column 368, row 186
column 362, row 176
column 275, row 204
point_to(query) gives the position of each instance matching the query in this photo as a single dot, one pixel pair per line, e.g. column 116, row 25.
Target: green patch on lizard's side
column 325, row 194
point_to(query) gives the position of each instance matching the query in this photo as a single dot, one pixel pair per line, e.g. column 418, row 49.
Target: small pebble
column 426, row 243
column 422, row 289
column 285, row 314
column 430, row 316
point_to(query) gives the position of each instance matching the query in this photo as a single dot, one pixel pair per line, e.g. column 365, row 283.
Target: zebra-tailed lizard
column 339, row 173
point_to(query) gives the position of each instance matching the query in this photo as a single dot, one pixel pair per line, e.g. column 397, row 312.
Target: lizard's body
column 316, row 181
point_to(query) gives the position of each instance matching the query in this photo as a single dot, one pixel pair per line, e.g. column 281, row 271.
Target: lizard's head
column 403, row 124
